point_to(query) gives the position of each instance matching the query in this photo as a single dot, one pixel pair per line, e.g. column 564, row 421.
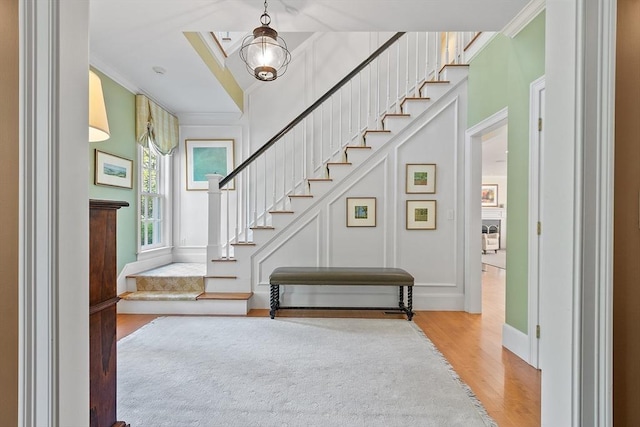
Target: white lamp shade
column 98, row 123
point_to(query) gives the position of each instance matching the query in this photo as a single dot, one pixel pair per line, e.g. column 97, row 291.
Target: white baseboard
column 516, row 342
column 190, row 254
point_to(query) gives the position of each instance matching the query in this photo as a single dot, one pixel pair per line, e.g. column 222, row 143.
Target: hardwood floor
column 506, row 385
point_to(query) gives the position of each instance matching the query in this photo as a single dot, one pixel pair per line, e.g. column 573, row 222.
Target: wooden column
column 626, row 250
column 9, row 210
column 102, row 312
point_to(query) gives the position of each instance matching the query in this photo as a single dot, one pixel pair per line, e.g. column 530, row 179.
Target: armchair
column 490, row 242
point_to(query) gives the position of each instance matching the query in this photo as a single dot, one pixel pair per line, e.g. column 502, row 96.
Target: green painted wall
column 500, row 76
column 121, row 113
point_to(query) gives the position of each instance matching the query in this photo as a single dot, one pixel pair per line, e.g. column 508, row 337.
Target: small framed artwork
column 489, row 195
column 421, row 178
column 421, row 214
column 361, row 211
column 112, row 170
column 208, row 156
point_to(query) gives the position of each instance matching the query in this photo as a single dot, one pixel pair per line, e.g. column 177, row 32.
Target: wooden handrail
column 310, row 109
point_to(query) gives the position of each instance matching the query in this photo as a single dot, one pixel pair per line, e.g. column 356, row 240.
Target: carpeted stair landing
column 172, row 282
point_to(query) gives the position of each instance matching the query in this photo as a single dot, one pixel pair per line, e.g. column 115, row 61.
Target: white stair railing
column 359, row 102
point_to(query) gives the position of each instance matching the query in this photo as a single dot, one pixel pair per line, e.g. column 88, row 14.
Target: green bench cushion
column 370, row 276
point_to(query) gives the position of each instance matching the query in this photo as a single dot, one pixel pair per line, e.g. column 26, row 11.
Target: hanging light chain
column 265, row 19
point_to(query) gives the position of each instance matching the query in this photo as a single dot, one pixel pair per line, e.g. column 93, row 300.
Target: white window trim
column 166, row 245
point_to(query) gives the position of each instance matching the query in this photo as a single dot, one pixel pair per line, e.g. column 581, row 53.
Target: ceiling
column 494, row 152
column 128, row 38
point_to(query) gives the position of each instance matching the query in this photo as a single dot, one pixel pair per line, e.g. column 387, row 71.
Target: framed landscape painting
column 421, row 214
column 421, row 178
column 361, row 211
column 112, row 170
column 489, row 195
column 208, row 156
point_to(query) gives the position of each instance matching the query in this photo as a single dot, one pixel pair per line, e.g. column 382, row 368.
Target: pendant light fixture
column 264, row 52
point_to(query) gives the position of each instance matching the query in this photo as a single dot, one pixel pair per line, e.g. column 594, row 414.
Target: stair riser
column 435, row 90
column 396, row 124
column 358, row 156
column 211, row 307
column 213, row 284
column 377, row 140
column 339, row 172
column 262, row 236
column 454, row 74
column 221, row 268
column 281, row 220
column 415, row 106
column 299, row 204
column 318, row 188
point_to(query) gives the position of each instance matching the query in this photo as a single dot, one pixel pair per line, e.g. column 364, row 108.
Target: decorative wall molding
column 483, row 40
column 526, row 15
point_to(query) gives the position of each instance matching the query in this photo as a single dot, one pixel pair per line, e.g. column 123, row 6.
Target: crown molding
column 522, row 19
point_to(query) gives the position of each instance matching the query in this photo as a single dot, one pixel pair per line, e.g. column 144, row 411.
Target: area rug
column 498, row 259
column 218, row 371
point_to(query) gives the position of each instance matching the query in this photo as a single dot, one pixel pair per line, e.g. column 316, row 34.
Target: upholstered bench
column 342, row 276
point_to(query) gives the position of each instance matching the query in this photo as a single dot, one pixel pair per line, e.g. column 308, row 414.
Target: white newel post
column 214, row 249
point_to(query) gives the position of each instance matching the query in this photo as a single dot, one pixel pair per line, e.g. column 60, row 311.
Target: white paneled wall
column 321, row 236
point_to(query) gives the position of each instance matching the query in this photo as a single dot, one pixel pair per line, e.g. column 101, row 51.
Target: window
column 153, row 199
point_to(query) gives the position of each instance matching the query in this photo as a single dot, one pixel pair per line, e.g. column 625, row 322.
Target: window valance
column 155, row 125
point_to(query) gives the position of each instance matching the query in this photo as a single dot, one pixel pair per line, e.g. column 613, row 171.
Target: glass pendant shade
column 264, row 52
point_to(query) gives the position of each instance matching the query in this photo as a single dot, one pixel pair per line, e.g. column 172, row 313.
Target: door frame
column 473, row 208
column 536, row 139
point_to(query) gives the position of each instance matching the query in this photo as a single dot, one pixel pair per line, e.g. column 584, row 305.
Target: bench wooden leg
column 275, row 300
column 410, row 302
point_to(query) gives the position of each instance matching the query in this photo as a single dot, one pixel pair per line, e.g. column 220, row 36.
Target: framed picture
column 361, row 211
column 208, row 156
column 421, row 178
column 112, row 170
column 421, row 214
column 489, row 195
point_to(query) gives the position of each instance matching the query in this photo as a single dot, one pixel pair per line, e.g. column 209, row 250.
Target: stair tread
column 396, row 115
column 262, row 227
column 225, row 296
column 427, row 82
column 357, row 147
column 300, row 195
column 281, row 212
column 452, row 65
column 220, row 277
column 376, row 131
column 319, row 179
column 224, row 260
column 243, row 244
column 339, row 163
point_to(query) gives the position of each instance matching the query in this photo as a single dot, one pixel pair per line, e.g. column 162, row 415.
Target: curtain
column 156, row 126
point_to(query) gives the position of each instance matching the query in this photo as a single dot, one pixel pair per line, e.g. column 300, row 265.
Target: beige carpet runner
column 172, row 282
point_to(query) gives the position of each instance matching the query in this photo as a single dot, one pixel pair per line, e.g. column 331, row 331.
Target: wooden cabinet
column 102, row 312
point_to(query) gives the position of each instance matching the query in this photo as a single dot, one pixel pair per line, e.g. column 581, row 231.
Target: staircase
column 308, row 162
column 234, row 269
